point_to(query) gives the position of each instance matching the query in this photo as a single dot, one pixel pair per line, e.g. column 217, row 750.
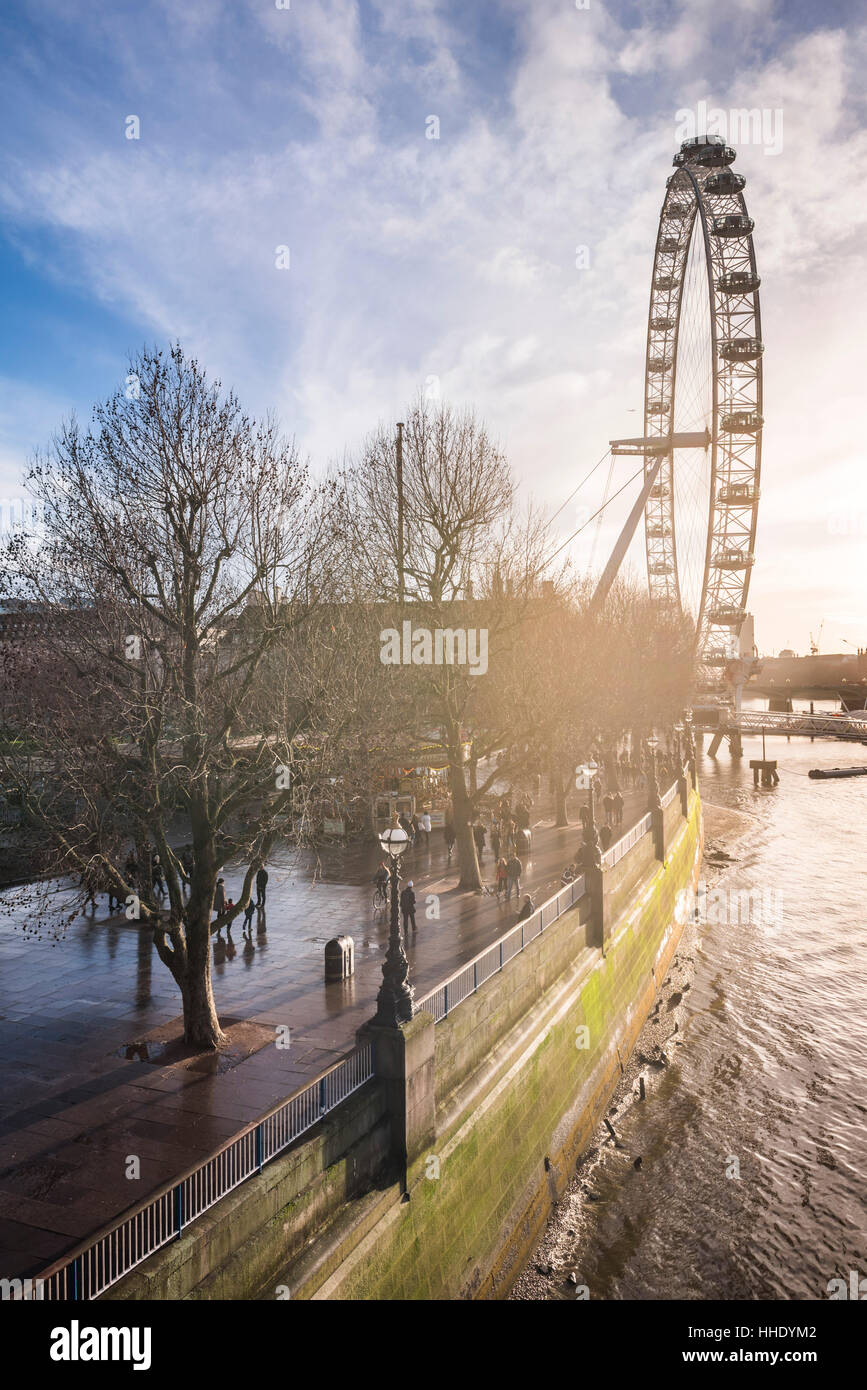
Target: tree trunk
column 201, row 1024
column 469, row 864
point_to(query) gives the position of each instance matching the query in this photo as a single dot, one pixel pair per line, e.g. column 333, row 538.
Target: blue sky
column 453, row 258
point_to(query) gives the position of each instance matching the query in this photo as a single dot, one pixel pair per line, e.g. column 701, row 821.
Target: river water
column 753, row 1142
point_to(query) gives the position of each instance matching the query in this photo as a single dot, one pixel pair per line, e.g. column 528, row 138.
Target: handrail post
column 179, row 1208
column 259, row 1147
column 475, row 976
column 322, row 1096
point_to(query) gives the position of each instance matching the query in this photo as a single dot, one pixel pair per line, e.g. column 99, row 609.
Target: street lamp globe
column 394, row 840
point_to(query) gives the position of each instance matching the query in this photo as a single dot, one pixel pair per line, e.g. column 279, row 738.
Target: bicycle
column 380, row 898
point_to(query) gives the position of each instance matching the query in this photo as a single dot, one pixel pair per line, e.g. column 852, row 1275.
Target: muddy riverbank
column 619, row 1155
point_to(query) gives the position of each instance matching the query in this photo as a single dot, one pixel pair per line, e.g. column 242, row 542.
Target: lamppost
column 653, row 744
column 394, row 1001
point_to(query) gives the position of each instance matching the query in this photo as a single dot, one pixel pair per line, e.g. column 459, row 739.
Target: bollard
column 339, row 958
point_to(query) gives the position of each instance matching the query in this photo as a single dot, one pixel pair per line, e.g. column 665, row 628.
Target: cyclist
column 380, row 878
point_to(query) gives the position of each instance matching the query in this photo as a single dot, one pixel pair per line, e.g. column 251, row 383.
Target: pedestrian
column 605, row 837
column 480, row 834
column 501, row 876
column 608, row 805
column 405, row 824
column 407, row 906
column 157, row 875
column 508, row 844
column 248, row 913
column 449, row 832
column 381, row 876
column 527, row 909
column 495, row 841
column 522, row 816
column 261, row 886
column 416, row 828
column 618, row 808
column 426, row 827
column 513, row 876
column 220, row 897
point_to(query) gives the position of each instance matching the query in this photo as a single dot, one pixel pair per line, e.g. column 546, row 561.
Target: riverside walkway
column 92, row 1075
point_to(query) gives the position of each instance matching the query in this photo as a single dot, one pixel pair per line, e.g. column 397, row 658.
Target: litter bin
column 339, row 958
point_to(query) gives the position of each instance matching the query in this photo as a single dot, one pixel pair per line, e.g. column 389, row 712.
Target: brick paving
column 75, row 1104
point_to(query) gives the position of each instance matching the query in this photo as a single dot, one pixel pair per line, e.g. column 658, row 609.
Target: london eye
column 702, row 406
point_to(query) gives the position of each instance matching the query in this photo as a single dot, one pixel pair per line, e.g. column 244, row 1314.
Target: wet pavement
column 92, row 1074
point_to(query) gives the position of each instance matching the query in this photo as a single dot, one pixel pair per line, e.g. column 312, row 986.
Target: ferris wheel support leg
column 736, row 747
column 713, row 746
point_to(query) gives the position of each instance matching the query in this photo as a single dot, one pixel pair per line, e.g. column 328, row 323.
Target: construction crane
column 814, row 642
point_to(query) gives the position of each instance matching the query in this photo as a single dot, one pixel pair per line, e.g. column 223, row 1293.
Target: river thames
column 753, row 1141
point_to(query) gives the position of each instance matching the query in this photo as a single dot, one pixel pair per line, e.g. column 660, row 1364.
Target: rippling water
column 772, row 1071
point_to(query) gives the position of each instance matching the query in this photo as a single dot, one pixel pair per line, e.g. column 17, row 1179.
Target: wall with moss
column 523, row 1073
column 508, row 1141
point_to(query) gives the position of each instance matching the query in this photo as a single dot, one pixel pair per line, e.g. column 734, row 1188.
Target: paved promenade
column 78, row 1101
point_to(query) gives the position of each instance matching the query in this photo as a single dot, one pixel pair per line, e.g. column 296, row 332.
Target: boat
column 837, row 772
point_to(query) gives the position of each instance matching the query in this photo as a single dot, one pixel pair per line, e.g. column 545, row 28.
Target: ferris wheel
column 702, row 403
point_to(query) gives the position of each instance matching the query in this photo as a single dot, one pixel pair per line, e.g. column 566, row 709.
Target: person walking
column 495, row 840
column 407, row 906
column 480, row 834
column 449, row 832
column 501, row 876
column 220, row 897
column 618, row 807
column 157, row 875
column 426, row 827
column 513, row 876
column 261, row 886
column 248, row 913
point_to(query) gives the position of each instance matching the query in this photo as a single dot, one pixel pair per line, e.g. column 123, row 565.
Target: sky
column 333, row 205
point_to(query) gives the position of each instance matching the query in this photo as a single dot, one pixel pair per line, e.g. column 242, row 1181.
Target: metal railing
column 669, row 796
column 470, row 977
column 162, row 1218
column 622, row 846
column 821, row 725
column 465, row 981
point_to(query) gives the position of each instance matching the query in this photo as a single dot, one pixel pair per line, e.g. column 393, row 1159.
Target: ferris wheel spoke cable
column 637, row 474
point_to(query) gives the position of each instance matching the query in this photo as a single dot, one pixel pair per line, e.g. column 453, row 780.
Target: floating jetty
column 838, row 772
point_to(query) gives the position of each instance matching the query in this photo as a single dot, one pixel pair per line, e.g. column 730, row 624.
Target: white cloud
column 456, row 257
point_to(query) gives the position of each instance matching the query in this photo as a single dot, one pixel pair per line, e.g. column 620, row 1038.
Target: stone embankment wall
column 436, row 1179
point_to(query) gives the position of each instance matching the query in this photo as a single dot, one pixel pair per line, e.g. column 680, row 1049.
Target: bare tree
column 182, row 544
column 471, row 564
